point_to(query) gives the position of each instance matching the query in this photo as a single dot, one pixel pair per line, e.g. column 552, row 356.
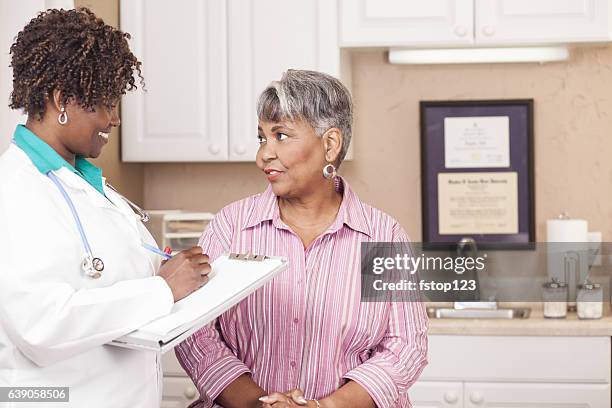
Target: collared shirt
column 46, row 159
column 308, row 327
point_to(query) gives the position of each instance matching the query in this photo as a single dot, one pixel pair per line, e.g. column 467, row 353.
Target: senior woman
column 78, row 269
column 306, row 338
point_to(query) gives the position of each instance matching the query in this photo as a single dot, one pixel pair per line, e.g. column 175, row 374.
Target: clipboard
column 233, row 278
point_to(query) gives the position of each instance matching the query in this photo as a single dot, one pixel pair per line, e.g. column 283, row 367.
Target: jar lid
column 588, row 285
column 554, row 283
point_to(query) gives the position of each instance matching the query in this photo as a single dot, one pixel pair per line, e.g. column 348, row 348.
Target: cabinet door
column 182, row 116
column 267, row 37
column 521, row 359
column 179, row 392
column 14, row 15
column 512, row 395
column 371, row 23
column 434, row 394
column 542, row 21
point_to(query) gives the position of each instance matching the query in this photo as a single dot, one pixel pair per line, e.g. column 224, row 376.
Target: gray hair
column 317, row 98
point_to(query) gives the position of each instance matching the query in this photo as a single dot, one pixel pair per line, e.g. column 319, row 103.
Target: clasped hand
column 292, row 398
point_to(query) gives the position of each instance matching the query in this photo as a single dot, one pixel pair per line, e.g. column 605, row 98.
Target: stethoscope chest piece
column 92, row 267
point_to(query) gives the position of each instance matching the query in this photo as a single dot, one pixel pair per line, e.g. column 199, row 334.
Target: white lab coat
column 55, row 320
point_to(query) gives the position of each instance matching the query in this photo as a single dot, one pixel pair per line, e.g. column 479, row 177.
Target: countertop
column 535, row 325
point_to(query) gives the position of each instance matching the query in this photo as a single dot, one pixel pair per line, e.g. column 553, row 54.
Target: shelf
column 171, row 235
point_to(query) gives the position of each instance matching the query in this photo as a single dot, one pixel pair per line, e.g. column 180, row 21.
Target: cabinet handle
column 214, row 148
column 240, row 149
column 488, row 31
column 190, row 392
column 460, row 31
column 451, row 397
column 476, row 397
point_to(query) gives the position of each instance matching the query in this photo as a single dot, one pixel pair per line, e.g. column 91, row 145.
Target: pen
column 165, row 254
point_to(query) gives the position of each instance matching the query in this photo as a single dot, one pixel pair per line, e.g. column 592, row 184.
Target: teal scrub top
column 46, row 159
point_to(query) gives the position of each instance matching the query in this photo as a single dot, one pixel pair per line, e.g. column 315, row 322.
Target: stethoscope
column 93, row 266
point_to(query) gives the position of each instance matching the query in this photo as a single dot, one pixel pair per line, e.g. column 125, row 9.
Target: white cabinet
column 182, row 116
column 179, row 391
column 452, row 23
column 487, row 395
column 205, row 63
column 542, row 21
column 437, row 394
column 440, row 394
column 371, row 23
column 267, row 37
column 14, row 15
column 515, row 371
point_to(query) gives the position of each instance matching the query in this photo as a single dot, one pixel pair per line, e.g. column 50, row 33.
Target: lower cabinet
column 434, row 394
column 515, row 371
column 484, row 372
column 479, row 395
column 179, row 390
column 437, row 394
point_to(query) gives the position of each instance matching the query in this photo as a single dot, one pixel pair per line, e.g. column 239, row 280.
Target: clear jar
column 554, row 294
column 590, row 301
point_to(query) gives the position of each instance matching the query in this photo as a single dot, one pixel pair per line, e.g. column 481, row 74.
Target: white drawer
column 482, row 395
column 179, row 392
column 519, row 358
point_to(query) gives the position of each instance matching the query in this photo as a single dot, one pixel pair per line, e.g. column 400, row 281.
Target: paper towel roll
column 567, row 230
column 573, row 232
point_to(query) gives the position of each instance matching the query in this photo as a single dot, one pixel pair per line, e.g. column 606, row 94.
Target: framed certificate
column 477, row 173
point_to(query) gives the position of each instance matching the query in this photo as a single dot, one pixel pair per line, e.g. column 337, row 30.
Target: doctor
column 77, row 269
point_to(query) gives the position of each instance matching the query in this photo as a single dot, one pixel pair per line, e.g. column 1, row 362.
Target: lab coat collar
column 46, row 159
column 110, row 200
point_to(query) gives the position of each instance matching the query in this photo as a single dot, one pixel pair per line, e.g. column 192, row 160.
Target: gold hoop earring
column 329, row 171
column 63, row 116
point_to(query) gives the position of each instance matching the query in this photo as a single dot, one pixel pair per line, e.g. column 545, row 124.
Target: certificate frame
column 516, row 155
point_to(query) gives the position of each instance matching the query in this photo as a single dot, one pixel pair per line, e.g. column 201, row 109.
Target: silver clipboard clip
column 247, row 257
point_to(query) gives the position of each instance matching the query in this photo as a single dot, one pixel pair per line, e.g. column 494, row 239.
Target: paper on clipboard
column 232, row 280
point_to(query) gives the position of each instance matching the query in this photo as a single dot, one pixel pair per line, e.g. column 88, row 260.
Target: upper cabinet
column 205, row 63
column 14, row 15
column 515, row 22
column 182, row 114
column 382, row 23
column 452, row 23
column 267, row 37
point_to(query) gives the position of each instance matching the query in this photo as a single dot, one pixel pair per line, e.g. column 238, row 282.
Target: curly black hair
column 76, row 53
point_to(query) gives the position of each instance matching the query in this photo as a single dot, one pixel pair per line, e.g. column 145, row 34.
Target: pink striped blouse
column 308, row 328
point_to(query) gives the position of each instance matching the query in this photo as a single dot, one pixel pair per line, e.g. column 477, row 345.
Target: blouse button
column 296, row 320
column 293, row 364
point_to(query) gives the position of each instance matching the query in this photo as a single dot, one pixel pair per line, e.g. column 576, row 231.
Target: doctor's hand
column 186, row 272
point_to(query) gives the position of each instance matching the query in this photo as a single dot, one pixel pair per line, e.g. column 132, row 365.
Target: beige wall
column 127, row 178
column 573, row 150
